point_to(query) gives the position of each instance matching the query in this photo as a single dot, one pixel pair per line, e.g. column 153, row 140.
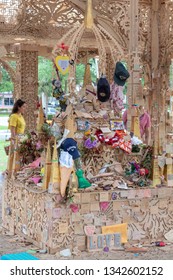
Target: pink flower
column 38, row 145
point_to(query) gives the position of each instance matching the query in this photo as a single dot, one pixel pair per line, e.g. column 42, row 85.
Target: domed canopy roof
column 44, row 22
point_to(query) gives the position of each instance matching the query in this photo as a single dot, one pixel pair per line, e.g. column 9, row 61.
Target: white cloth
column 66, row 159
column 136, row 141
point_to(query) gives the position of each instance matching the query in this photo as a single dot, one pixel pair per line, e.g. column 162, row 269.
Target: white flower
column 24, row 138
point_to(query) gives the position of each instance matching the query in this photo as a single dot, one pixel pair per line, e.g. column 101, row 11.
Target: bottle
column 160, row 244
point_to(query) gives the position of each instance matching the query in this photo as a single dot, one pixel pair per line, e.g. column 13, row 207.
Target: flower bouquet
column 30, row 147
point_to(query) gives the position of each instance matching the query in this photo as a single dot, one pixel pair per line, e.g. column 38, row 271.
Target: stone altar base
column 41, row 218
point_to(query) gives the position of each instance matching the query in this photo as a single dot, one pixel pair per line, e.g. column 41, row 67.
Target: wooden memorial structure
column 138, row 32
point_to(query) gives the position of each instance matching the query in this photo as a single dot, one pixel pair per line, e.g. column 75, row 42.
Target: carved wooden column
column 27, row 81
column 133, row 81
column 110, row 67
column 165, row 107
column 155, row 48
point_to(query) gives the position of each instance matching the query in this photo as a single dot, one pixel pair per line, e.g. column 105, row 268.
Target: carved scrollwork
column 12, row 14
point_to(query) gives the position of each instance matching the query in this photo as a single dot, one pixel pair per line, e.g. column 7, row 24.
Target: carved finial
column 89, row 15
column 87, row 76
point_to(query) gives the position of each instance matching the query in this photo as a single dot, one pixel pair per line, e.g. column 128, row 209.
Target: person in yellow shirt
column 16, row 121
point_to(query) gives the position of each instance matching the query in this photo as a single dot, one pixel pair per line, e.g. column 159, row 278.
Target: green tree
column 45, row 75
column 80, row 72
column 6, row 84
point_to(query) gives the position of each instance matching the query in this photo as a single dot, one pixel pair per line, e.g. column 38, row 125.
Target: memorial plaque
column 81, row 242
column 89, row 230
column 124, row 194
column 85, row 208
column 63, row 227
column 104, row 196
column 97, row 221
column 132, row 194
column 79, row 228
column 88, row 218
column 117, row 205
column 86, row 198
column 94, row 207
column 57, row 213
column 76, row 217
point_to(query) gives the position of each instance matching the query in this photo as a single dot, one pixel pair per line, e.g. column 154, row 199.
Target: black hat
column 121, row 74
column 103, row 89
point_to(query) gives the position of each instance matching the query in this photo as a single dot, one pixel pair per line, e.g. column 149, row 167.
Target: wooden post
column 47, row 168
column 155, row 87
column 134, row 69
column 54, row 183
column 27, row 81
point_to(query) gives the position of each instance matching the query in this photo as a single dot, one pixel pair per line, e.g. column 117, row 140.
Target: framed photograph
column 81, row 125
column 117, row 125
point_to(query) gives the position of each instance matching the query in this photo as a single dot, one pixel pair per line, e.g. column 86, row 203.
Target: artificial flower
column 90, row 142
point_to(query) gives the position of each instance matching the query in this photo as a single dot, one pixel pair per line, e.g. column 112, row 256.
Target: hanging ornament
column 62, row 63
column 87, row 75
column 62, row 49
column 62, row 46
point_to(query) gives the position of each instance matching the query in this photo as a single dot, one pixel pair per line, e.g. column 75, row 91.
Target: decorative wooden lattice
column 41, row 218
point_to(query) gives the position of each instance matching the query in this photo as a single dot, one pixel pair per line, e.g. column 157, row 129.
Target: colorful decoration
column 36, row 180
column 120, row 228
column 74, row 208
column 63, row 46
column 125, row 145
column 62, row 63
column 83, row 182
column 117, row 97
column 118, row 140
column 91, row 142
column 30, row 147
column 116, row 124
